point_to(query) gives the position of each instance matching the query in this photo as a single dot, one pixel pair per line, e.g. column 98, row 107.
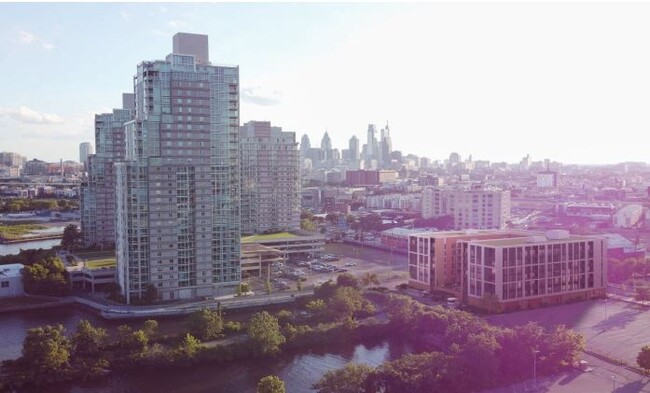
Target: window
column 4, row 284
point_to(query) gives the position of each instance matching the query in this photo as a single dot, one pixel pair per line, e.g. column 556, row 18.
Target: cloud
column 27, row 38
column 178, row 24
column 258, row 96
column 25, row 115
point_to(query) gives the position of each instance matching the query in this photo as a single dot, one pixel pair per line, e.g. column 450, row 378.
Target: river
column 299, row 370
column 14, row 248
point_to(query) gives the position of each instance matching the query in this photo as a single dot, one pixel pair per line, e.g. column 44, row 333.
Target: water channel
column 299, row 370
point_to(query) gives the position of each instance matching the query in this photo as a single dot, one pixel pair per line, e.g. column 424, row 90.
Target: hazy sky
column 498, row 81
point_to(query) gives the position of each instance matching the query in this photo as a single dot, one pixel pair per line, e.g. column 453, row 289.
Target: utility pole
column 535, row 352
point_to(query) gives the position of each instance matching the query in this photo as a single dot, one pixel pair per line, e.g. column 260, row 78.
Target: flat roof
column 101, row 264
column 270, row 236
column 11, row 270
column 528, row 240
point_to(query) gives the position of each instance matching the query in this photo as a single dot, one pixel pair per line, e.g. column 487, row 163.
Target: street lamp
column 613, row 383
column 535, row 352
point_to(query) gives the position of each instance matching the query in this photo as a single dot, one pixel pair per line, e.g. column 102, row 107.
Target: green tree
column 46, row 277
column 264, row 331
column 150, row 328
column 350, row 379
column 46, row 351
column 86, row 343
column 415, row 373
column 206, row 324
column 347, row 280
column 87, row 340
column 71, row 236
column 369, row 278
column 643, row 358
column 563, row 347
column 150, row 294
column 189, row 346
column 307, row 225
column 124, row 334
column 270, row 384
column 345, row 302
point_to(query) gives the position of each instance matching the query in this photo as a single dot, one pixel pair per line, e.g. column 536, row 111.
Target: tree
column 150, row 328
column 150, row 294
column 307, row 225
column 264, row 331
column 270, row 384
column 347, row 280
column 47, row 352
column 414, row 373
column 87, row 340
column 189, row 346
column 350, row 379
column 643, row 358
column 71, row 237
column 86, row 346
column 206, row 324
column 369, row 278
column 46, row 277
column 346, row 301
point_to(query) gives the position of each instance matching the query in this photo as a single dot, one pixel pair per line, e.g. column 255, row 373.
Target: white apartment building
column 270, row 179
column 627, row 216
column 395, row 201
column 476, row 208
column 178, row 195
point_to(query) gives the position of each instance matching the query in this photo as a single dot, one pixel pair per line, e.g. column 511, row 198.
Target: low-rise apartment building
column 506, row 270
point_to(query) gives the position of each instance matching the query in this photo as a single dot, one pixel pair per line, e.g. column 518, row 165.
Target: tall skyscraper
column 85, row 149
column 98, row 190
column 305, row 145
column 353, row 148
column 372, row 149
column 270, row 176
column 326, row 147
column 178, row 194
column 386, row 146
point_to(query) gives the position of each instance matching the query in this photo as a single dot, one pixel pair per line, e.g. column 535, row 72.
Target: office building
column 508, row 270
column 270, row 179
column 178, row 193
column 476, row 208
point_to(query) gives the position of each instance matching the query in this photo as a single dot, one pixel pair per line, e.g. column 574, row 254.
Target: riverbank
column 161, row 352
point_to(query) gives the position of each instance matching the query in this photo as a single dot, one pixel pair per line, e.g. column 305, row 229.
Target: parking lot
column 338, row 258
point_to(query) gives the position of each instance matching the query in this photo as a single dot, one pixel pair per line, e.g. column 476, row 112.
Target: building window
column 4, row 284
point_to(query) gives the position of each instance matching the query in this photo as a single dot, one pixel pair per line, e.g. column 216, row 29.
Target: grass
column 12, row 232
column 270, row 236
column 101, row 263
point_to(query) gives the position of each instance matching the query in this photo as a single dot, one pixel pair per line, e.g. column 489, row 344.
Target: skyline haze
column 567, row 82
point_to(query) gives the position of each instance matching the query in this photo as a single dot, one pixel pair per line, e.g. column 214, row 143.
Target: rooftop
column 11, row 270
column 270, row 236
column 529, row 240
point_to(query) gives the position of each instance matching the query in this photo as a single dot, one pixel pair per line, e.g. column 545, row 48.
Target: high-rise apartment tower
column 178, row 193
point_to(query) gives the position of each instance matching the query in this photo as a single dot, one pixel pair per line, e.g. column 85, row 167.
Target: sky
column 564, row 81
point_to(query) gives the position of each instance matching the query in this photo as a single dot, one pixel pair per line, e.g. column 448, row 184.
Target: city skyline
column 487, row 73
